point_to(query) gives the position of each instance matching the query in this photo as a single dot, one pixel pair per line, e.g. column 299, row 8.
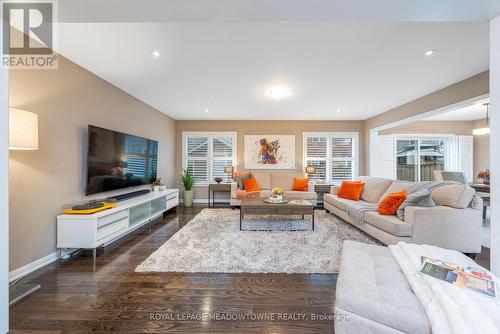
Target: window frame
column 210, row 158
column 329, row 135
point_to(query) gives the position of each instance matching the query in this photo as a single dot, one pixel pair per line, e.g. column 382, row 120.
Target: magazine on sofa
column 475, row 279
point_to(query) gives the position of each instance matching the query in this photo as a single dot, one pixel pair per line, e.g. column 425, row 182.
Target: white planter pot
column 188, row 198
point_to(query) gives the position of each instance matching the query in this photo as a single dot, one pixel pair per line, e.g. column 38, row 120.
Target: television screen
column 117, row 160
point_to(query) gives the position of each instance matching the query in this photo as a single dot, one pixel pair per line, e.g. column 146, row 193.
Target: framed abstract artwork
column 269, row 152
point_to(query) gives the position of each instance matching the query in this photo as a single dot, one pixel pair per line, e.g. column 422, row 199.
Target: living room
column 226, row 169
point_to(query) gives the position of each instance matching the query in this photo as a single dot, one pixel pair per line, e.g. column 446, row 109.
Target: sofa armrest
column 334, row 190
column 234, row 187
column 458, row 229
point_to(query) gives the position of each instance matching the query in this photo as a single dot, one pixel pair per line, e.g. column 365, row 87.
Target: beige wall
column 472, row 87
column 267, row 127
column 432, row 127
column 481, row 149
column 41, row 182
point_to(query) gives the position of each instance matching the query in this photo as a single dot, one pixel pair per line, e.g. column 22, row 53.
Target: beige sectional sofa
column 452, row 224
column 269, row 180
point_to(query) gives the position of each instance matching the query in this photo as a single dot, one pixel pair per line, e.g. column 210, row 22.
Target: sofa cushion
column 375, row 187
column 397, row 186
column 340, row 203
column 291, row 194
column 456, row 196
column 284, row 180
column 371, row 285
column 391, row 224
column 263, row 179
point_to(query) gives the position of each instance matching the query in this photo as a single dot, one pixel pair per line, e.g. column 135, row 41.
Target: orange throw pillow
column 300, row 184
column 390, row 204
column 351, row 190
column 251, row 184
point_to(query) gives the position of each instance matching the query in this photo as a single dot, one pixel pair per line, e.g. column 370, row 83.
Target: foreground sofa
column 270, row 180
column 452, row 224
column 373, row 296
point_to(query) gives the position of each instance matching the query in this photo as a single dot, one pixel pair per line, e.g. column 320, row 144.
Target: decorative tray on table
column 273, row 200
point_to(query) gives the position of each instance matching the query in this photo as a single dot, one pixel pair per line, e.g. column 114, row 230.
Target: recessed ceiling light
column 206, row 110
column 278, row 92
column 430, row 52
column 338, row 110
column 156, row 54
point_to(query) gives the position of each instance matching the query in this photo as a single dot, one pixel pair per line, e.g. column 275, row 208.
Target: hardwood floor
column 76, row 299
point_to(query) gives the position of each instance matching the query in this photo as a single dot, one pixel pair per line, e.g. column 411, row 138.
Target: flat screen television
column 118, row 160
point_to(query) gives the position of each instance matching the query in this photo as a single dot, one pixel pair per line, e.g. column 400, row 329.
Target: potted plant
column 187, row 181
column 157, row 184
column 484, row 175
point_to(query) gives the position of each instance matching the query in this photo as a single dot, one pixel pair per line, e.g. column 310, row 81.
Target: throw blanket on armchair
column 450, row 309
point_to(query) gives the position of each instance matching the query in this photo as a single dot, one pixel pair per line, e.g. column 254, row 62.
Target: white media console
column 101, row 228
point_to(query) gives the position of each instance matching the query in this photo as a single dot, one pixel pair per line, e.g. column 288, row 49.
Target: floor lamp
column 23, row 136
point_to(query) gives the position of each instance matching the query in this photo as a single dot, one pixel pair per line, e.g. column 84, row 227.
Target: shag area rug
column 211, row 242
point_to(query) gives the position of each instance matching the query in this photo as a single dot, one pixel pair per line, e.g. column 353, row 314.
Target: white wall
column 495, row 138
column 4, row 198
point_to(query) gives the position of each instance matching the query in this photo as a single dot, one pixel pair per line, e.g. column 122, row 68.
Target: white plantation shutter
column 207, row 154
column 333, row 154
column 197, row 147
column 342, row 148
column 383, row 157
column 466, row 156
column 316, row 153
column 198, row 169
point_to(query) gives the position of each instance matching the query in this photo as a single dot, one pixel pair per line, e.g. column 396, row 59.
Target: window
column 335, row 156
column 207, row 153
column 418, row 158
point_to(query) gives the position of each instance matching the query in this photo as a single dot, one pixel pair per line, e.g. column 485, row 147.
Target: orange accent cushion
column 390, row 204
column 251, row 184
column 351, row 190
column 300, row 184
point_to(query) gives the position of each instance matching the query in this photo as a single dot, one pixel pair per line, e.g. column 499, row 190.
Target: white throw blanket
column 450, row 309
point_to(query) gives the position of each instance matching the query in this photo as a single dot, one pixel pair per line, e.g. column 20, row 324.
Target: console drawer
column 112, row 218
column 111, row 228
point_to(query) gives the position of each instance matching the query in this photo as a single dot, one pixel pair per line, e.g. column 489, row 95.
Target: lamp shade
column 310, row 169
column 228, row 169
column 23, row 130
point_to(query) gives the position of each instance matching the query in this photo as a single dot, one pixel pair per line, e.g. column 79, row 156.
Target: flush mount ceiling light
column 278, row 92
column 430, row 52
column 206, row 110
column 155, row 54
column 486, row 130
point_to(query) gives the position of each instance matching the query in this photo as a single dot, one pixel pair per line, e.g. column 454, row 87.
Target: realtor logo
column 28, row 35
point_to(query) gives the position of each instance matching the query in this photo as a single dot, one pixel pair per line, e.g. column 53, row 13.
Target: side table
column 217, row 188
column 320, row 190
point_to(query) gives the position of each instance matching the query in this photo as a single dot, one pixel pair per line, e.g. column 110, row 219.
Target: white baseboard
column 31, row 267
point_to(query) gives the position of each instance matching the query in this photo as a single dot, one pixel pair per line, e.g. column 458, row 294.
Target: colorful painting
column 269, row 152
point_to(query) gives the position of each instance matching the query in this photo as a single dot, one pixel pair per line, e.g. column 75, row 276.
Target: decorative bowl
column 218, row 179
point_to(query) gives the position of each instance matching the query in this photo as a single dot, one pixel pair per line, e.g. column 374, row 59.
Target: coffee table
column 257, row 206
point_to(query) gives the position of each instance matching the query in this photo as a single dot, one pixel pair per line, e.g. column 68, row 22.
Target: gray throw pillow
column 421, row 198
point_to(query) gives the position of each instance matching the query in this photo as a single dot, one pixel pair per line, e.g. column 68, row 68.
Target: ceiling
column 362, row 69
column 276, row 10
column 469, row 113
